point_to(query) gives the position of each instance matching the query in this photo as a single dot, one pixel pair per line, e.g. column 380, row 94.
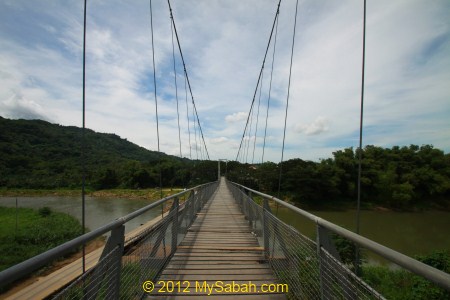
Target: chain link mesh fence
column 147, row 257
column 120, row 273
column 310, row 271
column 97, row 283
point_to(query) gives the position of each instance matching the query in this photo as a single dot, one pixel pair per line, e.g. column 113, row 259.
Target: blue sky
column 407, row 98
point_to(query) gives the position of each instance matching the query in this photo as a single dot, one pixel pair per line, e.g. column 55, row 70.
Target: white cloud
column 318, row 126
column 19, row 107
column 236, row 117
column 219, row 140
column 407, row 72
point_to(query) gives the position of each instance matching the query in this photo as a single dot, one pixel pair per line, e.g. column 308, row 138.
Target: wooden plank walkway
column 219, row 246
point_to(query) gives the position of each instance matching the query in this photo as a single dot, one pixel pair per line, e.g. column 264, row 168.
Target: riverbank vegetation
column 400, row 284
column 148, row 194
column 399, row 178
column 42, row 156
column 396, row 283
column 26, row 233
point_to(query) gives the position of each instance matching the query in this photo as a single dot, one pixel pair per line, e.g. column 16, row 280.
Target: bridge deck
column 219, row 246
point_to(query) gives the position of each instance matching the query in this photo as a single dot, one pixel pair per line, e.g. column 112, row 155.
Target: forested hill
column 38, row 154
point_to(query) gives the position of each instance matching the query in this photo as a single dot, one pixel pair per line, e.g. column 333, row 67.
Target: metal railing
column 313, row 269
column 121, row 270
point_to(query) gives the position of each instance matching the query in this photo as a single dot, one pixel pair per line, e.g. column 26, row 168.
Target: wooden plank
column 203, row 290
column 230, row 241
column 182, row 254
column 237, row 248
column 189, row 262
column 225, row 231
column 216, row 277
column 208, row 235
column 216, row 242
column 194, row 250
column 217, row 266
column 217, row 258
column 191, row 285
column 220, row 241
column 217, row 214
column 224, row 227
column 220, row 297
column 214, row 271
column 220, row 245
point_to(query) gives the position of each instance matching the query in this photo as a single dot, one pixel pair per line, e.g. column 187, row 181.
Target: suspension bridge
column 217, row 240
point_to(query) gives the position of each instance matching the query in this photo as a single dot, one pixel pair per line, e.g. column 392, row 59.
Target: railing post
column 175, row 227
column 200, row 199
column 245, row 206
column 115, row 240
column 197, row 199
column 191, row 208
column 265, row 223
column 248, row 212
column 325, row 242
column 120, row 239
column 321, row 240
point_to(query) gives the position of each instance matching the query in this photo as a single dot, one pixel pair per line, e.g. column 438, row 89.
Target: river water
column 99, row 211
column 408, row 233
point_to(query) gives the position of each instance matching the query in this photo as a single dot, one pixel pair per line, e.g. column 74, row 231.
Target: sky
column 407, row 75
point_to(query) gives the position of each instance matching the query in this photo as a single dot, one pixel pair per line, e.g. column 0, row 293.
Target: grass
column 37, row 231
column 400, row 284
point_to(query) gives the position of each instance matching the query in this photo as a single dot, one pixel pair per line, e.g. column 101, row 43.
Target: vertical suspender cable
column 249, row 133
column 257, row 117
column 83, row 141
column 176, row 89
column 358, row 204
column 195, row 133
column 287, row 100
column 187, row 117
column 156, row 101
column 270, row 90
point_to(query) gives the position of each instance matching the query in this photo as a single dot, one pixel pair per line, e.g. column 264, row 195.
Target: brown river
column 406, row 232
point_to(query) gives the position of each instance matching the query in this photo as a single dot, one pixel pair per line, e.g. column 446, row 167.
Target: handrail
column 437, row 276
column 17, row 271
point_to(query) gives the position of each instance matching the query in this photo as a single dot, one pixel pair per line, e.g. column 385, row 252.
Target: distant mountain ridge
column 39, row 154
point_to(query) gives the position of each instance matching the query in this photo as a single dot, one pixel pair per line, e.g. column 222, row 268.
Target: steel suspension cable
column 187, row 117
column 257, row 117
column 287, row 99
column 156, row 100
column 358, row 204
column 83, row 143
column 249, row 134
column 259, row 78
column 270, row 90
column 201, row 148
column 187, row 77
column 195, row 132
column 176, row 89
